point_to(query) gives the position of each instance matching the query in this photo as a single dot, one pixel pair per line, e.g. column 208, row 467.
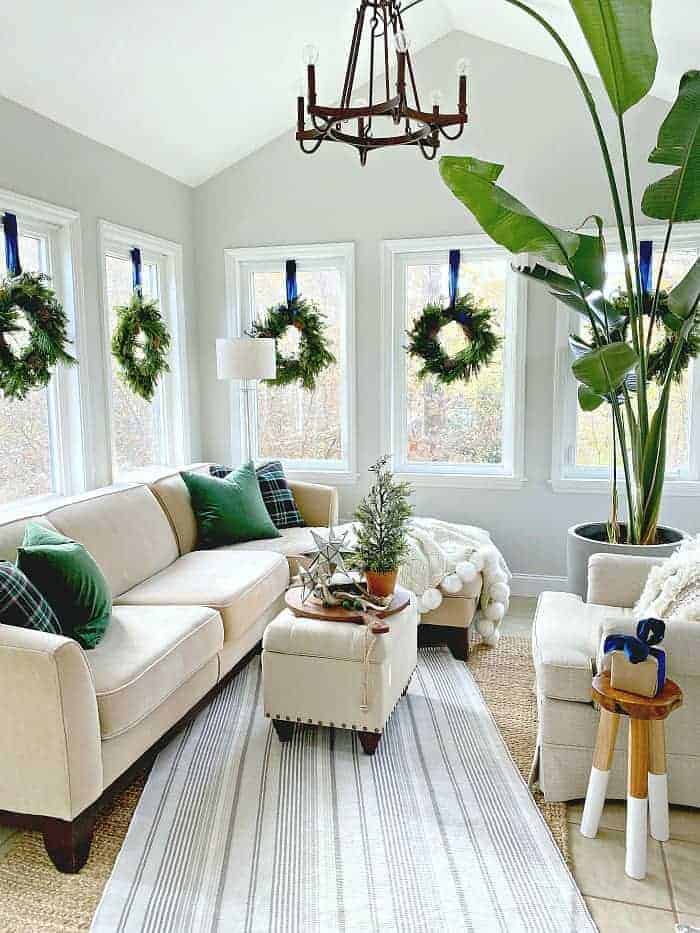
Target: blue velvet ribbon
column 638, row 648
column 291, row 281
column 136, row 270
column 646, row 251
column 9, row 225
column 454, row 275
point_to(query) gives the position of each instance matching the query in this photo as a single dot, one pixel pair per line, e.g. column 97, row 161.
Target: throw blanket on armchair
column 447, row 557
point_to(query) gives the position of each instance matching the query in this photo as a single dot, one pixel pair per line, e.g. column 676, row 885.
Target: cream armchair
column 566, row 639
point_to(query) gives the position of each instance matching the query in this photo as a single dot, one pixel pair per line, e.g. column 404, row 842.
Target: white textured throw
column 452, row 558
column 672, row 590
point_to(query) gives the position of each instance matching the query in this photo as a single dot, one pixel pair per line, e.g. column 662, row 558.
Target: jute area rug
column 34, row 897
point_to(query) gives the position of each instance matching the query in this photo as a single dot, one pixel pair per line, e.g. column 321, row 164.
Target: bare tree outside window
column 25, row 442
column 594, row 429
column 294, row 424
column 461, row 423
column 135, row 439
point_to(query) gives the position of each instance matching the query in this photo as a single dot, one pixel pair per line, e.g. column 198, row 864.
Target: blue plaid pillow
column 22, row 604
column 277, row 496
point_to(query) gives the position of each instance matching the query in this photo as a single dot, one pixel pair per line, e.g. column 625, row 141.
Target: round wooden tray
column 314, row 609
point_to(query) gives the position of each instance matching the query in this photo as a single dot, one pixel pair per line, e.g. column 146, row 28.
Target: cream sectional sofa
column 76, row 725
column 73, row 722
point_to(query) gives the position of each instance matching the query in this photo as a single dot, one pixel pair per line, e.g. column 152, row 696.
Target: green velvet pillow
column 66, row 574
column 229, row 510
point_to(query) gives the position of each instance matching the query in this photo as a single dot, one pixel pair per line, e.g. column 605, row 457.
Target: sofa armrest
column 617, row 579
column 681, row 644
column 317, row 504
column 51, row 762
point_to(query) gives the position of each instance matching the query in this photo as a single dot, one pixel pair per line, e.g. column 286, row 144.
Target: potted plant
column 381, row 519
column 642, row 335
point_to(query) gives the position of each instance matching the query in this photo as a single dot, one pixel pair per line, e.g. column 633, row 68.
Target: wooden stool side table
column 647, row 781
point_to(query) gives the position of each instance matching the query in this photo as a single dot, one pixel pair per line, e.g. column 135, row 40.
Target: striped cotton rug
column 436, row 832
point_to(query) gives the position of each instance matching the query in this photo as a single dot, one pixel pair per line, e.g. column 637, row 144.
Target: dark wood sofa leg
column 456, row 639
column 458, row 643
column 68, row 843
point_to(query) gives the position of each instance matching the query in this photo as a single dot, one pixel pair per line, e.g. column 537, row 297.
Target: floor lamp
column 250, row 360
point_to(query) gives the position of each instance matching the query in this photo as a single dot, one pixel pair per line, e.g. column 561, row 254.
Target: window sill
column 435, row 479
column 674, row 488
column 324, row 477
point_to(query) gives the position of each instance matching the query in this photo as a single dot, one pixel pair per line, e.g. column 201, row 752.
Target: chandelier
column 359, row 122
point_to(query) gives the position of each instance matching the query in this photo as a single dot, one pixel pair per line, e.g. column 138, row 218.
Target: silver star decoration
column 330, row 552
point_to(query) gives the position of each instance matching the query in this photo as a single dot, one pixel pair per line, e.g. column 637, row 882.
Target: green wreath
column 313, row 356
column 476, row 323
column 141, row 317
column 29, row 368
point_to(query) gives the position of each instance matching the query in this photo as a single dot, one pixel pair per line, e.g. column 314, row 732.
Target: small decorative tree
column 382, row 517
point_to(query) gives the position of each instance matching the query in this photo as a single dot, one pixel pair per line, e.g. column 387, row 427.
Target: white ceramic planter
column 589, row 538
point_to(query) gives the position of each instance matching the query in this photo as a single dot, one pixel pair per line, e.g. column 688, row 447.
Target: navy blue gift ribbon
column 454, row 275
column 646, row 249
column 638, row 648
column 291, row 281
column 9, row 226
column 136, row 270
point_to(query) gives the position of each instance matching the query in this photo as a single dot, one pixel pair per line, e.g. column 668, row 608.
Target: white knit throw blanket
column 445, row 557
column 672, row 590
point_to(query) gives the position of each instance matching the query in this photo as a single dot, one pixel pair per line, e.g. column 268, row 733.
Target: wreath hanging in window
column 141, row 341
column 476, row 323
column 28, row 367
column 313, row 355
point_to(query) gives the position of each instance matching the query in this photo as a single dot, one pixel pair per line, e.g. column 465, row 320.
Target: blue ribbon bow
column 291, row 281
column 136, row 270
column 9, row 226
column 453, row 276
column 637, row 648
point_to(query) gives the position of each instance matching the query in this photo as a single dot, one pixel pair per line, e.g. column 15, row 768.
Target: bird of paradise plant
column 620, row 358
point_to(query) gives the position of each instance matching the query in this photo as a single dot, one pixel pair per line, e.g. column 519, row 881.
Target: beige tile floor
column 671, row 892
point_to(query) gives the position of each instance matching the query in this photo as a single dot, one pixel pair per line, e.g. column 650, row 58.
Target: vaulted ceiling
column 190, row 88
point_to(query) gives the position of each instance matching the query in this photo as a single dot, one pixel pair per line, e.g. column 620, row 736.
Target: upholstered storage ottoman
column 337, row 673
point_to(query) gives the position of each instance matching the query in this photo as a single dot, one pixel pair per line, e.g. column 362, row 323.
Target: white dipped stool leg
column 600, row 772
column 637, row 803
column 658, row 782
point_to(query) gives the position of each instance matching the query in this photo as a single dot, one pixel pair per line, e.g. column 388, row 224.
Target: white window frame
column 395, row 255
column 69, row 424
column 566, row 476
column 240, row 263
column 174, row 414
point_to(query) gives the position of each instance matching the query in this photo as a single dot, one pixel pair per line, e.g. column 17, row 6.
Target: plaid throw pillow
column 22, row 604
column 277, row 496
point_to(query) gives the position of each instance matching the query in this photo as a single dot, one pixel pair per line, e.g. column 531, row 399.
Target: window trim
column 235, row 261
column 511, row 473
column 115, row 239
column 567, row 479
column 70, row 429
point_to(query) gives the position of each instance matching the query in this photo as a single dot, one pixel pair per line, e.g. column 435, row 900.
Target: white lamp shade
column 246, row 358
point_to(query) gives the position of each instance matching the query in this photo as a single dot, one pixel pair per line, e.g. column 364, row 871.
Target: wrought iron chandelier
column 382, row 21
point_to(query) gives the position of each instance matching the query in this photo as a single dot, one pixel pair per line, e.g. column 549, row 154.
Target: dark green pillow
column 229, row 510
column 66, row 574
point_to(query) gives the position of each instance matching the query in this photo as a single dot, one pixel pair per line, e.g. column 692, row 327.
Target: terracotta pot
column 381, row 584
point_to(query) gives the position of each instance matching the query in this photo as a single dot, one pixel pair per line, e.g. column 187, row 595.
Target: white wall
column 41, row 159
column 526, row 113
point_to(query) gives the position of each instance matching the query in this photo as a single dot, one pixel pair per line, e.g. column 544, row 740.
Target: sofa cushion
column 240, row 585
column 12, row 534
column 146, row 654
column 565, row 638
column 125, row 530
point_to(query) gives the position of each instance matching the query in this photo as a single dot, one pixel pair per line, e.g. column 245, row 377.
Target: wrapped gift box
column 641, row 678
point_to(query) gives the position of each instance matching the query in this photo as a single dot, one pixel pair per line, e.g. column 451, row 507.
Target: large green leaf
column 604, row 370
column 588, row 399
column 677, row 196
column 565, row 290
column 619, row 35
column 683, row 299
column 510, row 223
